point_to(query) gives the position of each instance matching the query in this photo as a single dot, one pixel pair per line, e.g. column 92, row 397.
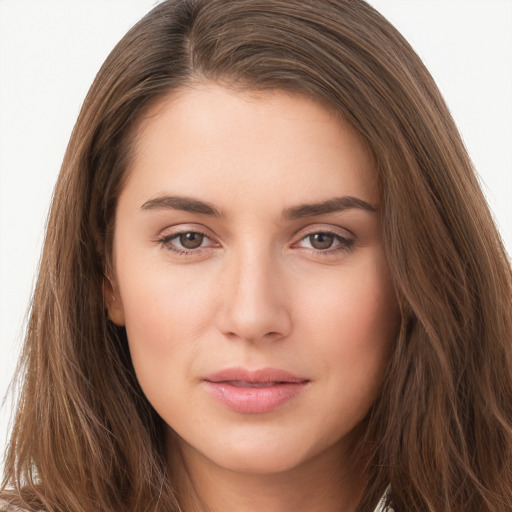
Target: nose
column 253, row 294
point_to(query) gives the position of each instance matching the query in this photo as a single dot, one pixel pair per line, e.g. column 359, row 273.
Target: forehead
column 271, row 148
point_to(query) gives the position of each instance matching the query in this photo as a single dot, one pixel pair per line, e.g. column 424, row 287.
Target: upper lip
column 259, row 375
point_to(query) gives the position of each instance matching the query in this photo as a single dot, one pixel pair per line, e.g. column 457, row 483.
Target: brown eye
column 326, row 243
column 321, row 241
column 191, row 240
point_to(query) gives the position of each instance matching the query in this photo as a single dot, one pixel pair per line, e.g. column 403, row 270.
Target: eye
column 321, row 241
column 326, row 242
column 185, row 242
column 191, row 240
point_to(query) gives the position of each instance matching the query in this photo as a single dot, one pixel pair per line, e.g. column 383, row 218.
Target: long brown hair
column 86, row 439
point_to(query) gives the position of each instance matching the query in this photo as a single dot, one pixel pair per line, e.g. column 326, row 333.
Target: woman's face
column 250, row 275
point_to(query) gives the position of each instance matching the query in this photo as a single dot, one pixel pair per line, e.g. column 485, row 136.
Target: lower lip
column 254, row 400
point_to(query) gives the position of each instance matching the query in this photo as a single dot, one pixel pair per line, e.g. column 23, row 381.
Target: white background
column 50, row 51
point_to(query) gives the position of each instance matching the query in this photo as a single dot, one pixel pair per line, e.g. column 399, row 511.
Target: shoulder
column 5, row 506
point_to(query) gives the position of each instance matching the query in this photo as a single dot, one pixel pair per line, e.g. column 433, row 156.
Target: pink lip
column 254, row 391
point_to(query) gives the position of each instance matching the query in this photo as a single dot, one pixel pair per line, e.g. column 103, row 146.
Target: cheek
column 356, row 302
column 166, row 314
column 354, row 319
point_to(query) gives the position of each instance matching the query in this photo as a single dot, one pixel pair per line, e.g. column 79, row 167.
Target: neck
column 328, row 483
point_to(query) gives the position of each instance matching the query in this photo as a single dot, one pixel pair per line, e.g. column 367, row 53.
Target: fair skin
column 218, row 266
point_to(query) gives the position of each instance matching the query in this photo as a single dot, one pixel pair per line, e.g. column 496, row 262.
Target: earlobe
column 112, row 300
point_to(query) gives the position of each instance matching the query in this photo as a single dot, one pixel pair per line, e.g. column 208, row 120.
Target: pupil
column 191, row 240
column 322, row 240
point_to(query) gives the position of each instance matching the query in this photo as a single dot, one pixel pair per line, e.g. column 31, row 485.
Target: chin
column 264, row 451
column 259, row 461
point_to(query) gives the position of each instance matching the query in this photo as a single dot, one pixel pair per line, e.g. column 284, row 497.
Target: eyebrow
column 188, row 204
column 337, row 204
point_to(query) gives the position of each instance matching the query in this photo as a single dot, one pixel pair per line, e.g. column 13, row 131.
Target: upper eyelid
column 334, row 230
column 179, row 229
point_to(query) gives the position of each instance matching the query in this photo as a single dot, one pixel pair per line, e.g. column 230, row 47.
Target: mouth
column 247, row 384
column 254, row 391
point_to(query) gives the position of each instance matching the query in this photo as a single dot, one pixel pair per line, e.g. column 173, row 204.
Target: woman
column 270, row 280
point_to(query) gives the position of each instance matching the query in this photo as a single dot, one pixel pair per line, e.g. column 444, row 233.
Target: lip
column 254, row 391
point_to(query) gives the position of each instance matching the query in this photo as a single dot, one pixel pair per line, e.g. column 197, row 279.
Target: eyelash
column 166, row 240
column 345, row 244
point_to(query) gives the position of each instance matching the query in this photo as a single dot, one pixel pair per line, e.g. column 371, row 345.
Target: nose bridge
column 254, row 305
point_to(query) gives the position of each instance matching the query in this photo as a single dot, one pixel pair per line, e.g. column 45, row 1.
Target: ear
column 113, row 299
